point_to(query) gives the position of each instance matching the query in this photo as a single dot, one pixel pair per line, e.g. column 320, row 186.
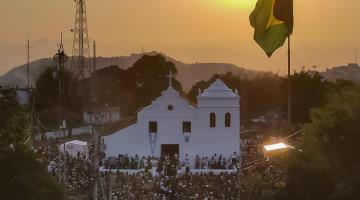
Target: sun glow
column 237, row 4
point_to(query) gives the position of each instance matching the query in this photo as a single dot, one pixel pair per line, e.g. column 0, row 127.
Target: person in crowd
column 197, row 162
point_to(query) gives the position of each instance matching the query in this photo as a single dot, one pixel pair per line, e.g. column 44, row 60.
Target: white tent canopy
column 74, row 147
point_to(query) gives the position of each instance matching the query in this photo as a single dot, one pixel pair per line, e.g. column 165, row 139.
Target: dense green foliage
column 13, row 120
column 22, row 176
column 308, row 91
column 329, row 166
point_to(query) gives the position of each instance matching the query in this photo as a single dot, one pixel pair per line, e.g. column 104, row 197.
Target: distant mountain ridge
column 188, row 74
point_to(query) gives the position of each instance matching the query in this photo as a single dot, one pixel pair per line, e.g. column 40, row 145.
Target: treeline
column 267, row 92
column 128, row 89
column 138, row 85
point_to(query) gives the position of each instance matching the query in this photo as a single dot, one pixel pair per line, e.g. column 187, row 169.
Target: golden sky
column 326, row 32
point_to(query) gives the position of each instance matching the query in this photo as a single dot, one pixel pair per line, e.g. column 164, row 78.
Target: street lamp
column 277, row 146
column 280, row 146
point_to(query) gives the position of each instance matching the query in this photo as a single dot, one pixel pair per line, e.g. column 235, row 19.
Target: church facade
column 171, row 125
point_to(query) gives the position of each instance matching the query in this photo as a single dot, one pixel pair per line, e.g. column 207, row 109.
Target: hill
column 350, row 72
column 188, row 73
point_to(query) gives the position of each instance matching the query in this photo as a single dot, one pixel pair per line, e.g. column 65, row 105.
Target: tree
column 329, row 166
column 259, row 95
column 257, row 187
column 150, row 74
column 134, row 87
column 306, row 179
column 308, row 91
column 47, row 90
column 13, row 119
column 22, row 176
column 48, row 102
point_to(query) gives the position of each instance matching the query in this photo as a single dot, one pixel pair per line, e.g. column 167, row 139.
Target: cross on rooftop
column 170, row 76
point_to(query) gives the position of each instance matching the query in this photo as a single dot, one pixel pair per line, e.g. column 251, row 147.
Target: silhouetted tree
column 328, row 167
column 258, row 95
column 307, row 91
column 22, row 176
column 134, row 87
column 47, row 90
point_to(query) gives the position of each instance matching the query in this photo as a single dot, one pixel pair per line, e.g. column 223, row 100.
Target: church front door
column 169, row 149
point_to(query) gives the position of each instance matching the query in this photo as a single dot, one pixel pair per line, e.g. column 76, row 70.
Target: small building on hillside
column 102, row 115
column 171, row 125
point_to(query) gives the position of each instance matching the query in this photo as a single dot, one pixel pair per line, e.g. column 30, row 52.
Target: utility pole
column 94, row 57
column 29, row 90
column 61, row 58
column 95, row 158
column 28, row 62
column 239, row 170
column 110, row 184
column 289, row 84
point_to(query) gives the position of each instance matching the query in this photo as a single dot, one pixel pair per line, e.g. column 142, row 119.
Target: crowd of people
column 162, row 163
column 171, row 180
column 74, row 170
column 252, row 151
column 182, row 186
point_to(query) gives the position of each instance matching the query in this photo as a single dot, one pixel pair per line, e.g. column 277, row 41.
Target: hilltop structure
column 350, row 72
column 171, row 125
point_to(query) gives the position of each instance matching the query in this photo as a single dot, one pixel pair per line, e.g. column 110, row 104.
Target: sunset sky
column 326, row 32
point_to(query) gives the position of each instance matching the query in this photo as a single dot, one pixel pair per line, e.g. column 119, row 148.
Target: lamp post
column 279, row 146
column 94, row 194
column 274, row 147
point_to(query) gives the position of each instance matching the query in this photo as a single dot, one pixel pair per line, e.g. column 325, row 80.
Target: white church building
column 171, row 125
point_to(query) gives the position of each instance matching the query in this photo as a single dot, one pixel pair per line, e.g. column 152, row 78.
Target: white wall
column 129, row 141
column 135, row 139
column 60, row 134
column 224, row 140
column 101, row 117
column 204, row 141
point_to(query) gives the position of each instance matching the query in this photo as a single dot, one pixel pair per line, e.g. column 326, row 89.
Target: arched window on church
column 212, row 120
column 227, row 120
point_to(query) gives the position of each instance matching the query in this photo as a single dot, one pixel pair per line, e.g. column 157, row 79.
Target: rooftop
column 218, row 89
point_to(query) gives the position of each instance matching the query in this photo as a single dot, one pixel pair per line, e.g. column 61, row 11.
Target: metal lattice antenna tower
column 81, row 64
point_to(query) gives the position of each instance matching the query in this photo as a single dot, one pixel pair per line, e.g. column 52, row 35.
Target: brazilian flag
column 273, row 22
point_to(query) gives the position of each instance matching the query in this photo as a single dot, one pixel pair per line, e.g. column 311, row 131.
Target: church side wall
column 130, row 140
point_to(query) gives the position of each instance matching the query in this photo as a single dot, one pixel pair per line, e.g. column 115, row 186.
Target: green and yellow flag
column 273, row 22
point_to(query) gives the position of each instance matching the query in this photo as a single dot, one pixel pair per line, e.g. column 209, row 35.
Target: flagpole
column 289, row 83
